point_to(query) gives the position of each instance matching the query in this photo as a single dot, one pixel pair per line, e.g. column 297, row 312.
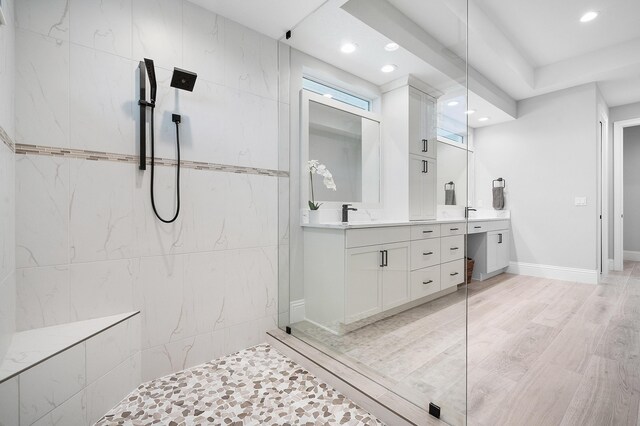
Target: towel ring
column 501, row 183
column 453, row 185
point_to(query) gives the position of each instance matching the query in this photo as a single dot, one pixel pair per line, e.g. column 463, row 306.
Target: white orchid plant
column 314, row 167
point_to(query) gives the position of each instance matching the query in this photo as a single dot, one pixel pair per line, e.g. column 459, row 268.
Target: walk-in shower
column 181, row 79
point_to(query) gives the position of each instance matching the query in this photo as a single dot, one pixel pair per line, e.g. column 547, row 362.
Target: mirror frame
column 306, row 97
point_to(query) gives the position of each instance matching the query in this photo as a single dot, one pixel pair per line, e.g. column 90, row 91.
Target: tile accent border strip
column 84, row 154
column 7, row 140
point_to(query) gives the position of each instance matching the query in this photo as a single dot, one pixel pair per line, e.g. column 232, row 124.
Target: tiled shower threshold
column 367, row 393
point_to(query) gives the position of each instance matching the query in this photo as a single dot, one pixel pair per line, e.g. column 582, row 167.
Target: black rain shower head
column 183, row 79
column 151, row 71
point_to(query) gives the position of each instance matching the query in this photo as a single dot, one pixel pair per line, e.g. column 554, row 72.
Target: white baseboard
column 632, row 255
column 296, row 311
column 587, row 276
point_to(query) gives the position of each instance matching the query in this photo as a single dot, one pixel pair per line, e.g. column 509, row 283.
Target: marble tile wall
column 87, row 241
column 78, row 385
column 7, row 179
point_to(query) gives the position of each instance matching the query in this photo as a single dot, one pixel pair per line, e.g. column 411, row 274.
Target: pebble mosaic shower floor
column 256, row 386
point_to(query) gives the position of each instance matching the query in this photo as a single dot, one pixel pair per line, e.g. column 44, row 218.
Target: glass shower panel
column 372, row 207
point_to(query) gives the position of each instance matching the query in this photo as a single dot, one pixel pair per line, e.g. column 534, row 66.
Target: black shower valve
column 176, row 118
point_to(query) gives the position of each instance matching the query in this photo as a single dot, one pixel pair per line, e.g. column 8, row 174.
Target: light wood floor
column 540, row 352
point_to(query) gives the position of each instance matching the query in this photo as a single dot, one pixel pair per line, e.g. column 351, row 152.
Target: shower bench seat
column 69, row 373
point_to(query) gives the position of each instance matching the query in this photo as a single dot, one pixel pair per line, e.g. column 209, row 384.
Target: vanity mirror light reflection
column 345, row 139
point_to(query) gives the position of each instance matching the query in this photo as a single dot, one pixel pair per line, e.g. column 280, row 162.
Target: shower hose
column 153, row 157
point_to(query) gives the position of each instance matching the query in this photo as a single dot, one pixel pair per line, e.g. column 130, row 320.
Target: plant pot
column 314, row 217
column 470, row 264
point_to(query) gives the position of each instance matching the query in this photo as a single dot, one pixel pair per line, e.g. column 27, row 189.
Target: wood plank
column 608, row 395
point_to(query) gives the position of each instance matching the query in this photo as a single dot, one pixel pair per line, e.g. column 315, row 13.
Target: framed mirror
column 346, row 141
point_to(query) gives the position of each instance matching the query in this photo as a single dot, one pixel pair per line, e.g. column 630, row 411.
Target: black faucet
column 467, row 210
column 345, row 212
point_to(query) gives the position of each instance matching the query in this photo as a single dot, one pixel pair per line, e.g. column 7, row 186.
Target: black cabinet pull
column 425, row 145
column 382, row 258
column 453, row 229
column 499, row 238
column 427, row 282
column 453, row 248
column 425, row 166
column 386, row 258
column 429, row 253
column 477, row 227
column 427, row 232
column 454, row 274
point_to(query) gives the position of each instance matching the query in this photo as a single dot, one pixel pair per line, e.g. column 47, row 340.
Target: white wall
column 548, row 157
column 88, row 243
column 632, row 189
column 7, row 176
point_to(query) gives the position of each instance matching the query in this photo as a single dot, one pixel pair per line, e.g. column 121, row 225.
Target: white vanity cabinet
column 422, row 183
column 422, row 123
column 377, row 279
column 489, row 245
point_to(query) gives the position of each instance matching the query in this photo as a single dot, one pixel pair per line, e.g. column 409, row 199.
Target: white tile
column 251, row 61
column 250, row 131
column 7, row 312
column 105, row 393
column 46, row 17
column 42, row 219
column 98, row 289
column 101, row 210
column 42, row 90
column 72, row 412
column 251, row 218
column 102, row 25
column 153, row 237
column 9, row 402
column 42, row 297
column 159, row 295
column 175, row 356
column 157, row 31
column 7, row 211
column 250, row 285
column 204, row 291
column 101, row 102
column 242, row 336
column 284, row 72
column 108, row 349
column 47, row 385
column 203, row 43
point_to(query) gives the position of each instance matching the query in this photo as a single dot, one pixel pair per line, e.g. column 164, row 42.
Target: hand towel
column 450, row 197
column 498, row 198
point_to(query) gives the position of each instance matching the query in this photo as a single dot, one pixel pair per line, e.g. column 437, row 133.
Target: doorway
column 619, row 190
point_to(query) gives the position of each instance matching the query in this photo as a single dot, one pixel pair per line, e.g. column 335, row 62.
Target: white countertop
column 383, row 223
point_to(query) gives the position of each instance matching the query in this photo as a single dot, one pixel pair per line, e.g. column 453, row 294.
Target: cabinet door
column 504, row 252
column 395, row 275
column 363, row 292
column 429, row 115
column 417, row 145
column 422, row 187
column 498, row 253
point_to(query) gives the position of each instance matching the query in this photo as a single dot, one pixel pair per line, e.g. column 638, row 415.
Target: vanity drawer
column 420, row 232
column 425, row 282
column 488, row 226
column 447, row 229
column 362, row 237
column 451, row 248
column 451, row 274
column 477, row 227
column 425, row 253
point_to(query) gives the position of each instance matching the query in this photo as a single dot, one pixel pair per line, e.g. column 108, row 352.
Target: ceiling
column 517, row 49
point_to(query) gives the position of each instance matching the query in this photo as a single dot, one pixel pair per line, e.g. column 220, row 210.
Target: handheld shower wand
column 187, row 80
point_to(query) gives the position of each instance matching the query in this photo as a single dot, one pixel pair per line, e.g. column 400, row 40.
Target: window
column 336, row 94
column 450, row 136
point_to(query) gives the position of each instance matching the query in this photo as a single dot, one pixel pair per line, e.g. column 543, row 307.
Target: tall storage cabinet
column 410, row 151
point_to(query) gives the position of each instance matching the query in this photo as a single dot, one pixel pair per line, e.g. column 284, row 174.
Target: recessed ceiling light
column 328, row 95
column 452, row 103
column 390, row 47
column 589, row 16
column 388, row 68
column 483, row 118
column 470, row 111
column 348, row 48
